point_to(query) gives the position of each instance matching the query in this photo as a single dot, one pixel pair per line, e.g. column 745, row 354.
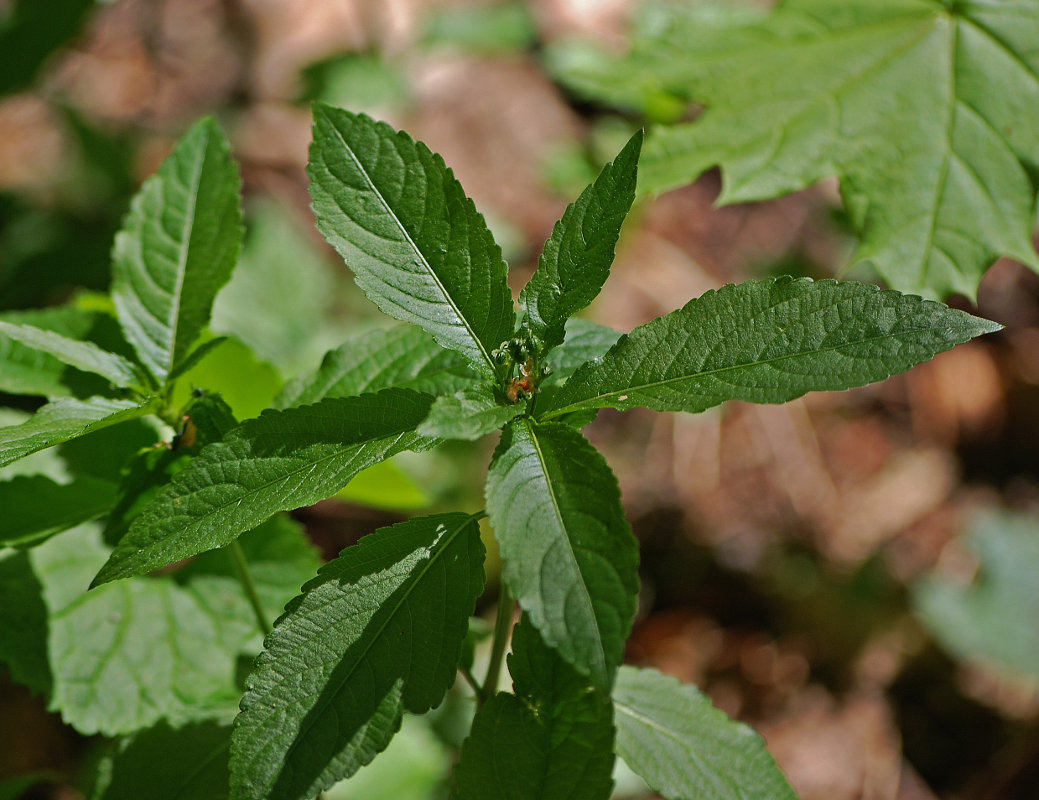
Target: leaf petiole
column 502, row 629
column 241, row 568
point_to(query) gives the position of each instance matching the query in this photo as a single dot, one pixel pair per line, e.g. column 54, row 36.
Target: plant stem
column 471, row 680
column 245, row 578
column 502, row 628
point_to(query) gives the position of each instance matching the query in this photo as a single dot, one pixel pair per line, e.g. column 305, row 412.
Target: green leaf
column 378, row 631
column 415, row 242
column 131, row 653
column 585, row 340
column 928, row 112
column 404, row 357
column 178, row 246
column 247, row 384
column 167, row 763
column 553, row 740
column 23, row 625
column 577, row 258
column 469, row 414
column 385, row 485
column 36, row 508
column 767, row 341
column 279, row 461
column 568, row 553
column 84, row 356
column 65, row 419
column 685, row 748
column 991, row 618
column 31, row 31
column 26, row 370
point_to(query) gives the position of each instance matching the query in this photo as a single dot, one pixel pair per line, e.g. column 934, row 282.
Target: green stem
column 245, row 578
column 475, row 684
column 502, row 628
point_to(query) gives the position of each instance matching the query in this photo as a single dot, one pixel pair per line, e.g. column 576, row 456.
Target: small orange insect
column 524, row 385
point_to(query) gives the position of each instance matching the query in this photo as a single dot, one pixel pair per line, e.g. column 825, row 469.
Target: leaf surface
column 35, row 507
column 84, row 356
column 992, row 618
column 402, row 357
column 927, row 111
column 280, row 461
column 577, row 258
column 767, row 341
column 378, row 631
column 685, row 748
column 62, row 420
column 568, row 553
column 468, row 414
column 552, row 740
column 415, row 242
column 177, row 248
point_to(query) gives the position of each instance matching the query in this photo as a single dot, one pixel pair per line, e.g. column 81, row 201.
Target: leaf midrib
column 411, row 242
column 583, row 403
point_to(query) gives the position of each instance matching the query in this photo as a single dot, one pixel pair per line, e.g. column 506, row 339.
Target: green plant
column 927, row 111
column 383, row 629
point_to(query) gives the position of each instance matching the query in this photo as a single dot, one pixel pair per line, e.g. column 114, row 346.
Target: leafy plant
column 927, row 111
column 384, row 628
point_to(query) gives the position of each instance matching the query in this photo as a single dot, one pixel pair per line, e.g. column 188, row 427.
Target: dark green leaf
column 568, row 554
column 767, row 341
column 685, row 748
column 62, row 420
column 35, row 507
column 279, row 461
column 404, row 357
column 577, row 258
column 23, row 624
column 992, row 618
column 415, row 242
column 469, row 414
column 32, row 32
column 378, row 631
column 553, row 740
column 178, row 246
column 84, row 356
column 166, row 763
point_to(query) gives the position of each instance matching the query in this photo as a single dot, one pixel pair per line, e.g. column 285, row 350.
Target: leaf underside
column 767, row 341
column 416, row 244
column 378, row 631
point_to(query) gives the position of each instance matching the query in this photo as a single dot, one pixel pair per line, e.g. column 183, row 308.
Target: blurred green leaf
column 491, row 29
column 31, row 31
column 247, row 384
column 35, row 507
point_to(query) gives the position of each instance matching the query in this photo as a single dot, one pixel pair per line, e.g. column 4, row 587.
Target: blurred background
column 855, row 574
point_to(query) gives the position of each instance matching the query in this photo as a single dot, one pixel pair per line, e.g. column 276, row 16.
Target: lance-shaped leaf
column 568, row 553
column 178, row 246
column 416, row 244
column 685, row 748
column 552, row 740
column 378, row 631
column 35, row 507
column 85, row 356
column 469, row 414
column 62, row 420
column 280, row 461
column 404, row 357
column 767, row 342
column 927, row 111
column 577, row 257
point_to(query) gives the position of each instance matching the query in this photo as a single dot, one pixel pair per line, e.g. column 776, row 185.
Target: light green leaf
column 385, row 485
column 992, row 618
column 685, row 748
column 404, row 357
column 415, row 242
column 585, row 340
column 469, row 414
column 178, row 246
column 36, row 508
column 577, row 258
column 767, row 341
column 552, row 740
column 65, row 419
column 25, row 370
column 131, row 653
column 280, row 461
column 568, row 553
column 84, row 356
column 247, row 384
column 167, row 763
column 378, row 631
column 927, row 111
